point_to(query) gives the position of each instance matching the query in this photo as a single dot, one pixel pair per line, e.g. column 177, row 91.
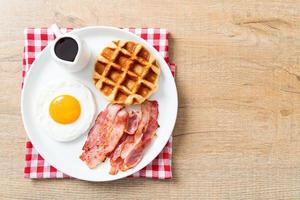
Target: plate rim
column 157, row 54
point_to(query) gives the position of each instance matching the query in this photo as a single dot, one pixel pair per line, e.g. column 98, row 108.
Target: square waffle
column 126, row 73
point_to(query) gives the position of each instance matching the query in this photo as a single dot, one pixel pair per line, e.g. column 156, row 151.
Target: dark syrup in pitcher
column 66, row 49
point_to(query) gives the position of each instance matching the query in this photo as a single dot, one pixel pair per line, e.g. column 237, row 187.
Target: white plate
column 65, row 156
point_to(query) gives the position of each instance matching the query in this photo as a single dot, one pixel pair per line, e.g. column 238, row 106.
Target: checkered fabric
column 36, row 39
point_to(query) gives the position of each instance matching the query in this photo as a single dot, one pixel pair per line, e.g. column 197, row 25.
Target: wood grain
column 238, row 76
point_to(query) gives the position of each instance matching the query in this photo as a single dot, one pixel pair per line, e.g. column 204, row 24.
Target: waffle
column 126, row 73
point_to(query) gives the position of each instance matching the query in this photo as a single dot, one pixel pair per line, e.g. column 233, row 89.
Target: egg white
column 65, row 132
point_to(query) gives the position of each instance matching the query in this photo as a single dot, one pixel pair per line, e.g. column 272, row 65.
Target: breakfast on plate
column 126, row 74
column 65, row 109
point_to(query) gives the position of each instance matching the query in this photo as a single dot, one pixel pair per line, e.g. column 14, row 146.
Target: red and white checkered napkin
column 36, row 40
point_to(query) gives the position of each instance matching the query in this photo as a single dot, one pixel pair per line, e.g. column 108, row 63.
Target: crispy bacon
column 130, row 150
column 121, row 136
column 104, row 121
column 105, row 135
column 133, row 122
column 116, row 160
column 117, row 131
column 135, row 156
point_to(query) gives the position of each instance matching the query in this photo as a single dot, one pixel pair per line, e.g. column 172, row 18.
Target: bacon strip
column 117, row 131
column 103, row 122
column 131, row 148
column 133, row 122
column 135, row 156
column 105, row 135
column 116, row 160
column 121, row 136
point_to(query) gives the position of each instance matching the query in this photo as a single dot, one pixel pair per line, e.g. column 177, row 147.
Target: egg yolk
column 64, row 109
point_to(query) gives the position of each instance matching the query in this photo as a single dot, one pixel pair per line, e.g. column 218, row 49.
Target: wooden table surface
column 237, row 134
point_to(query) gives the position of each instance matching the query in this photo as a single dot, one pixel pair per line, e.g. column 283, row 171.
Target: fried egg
column 65, row 110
